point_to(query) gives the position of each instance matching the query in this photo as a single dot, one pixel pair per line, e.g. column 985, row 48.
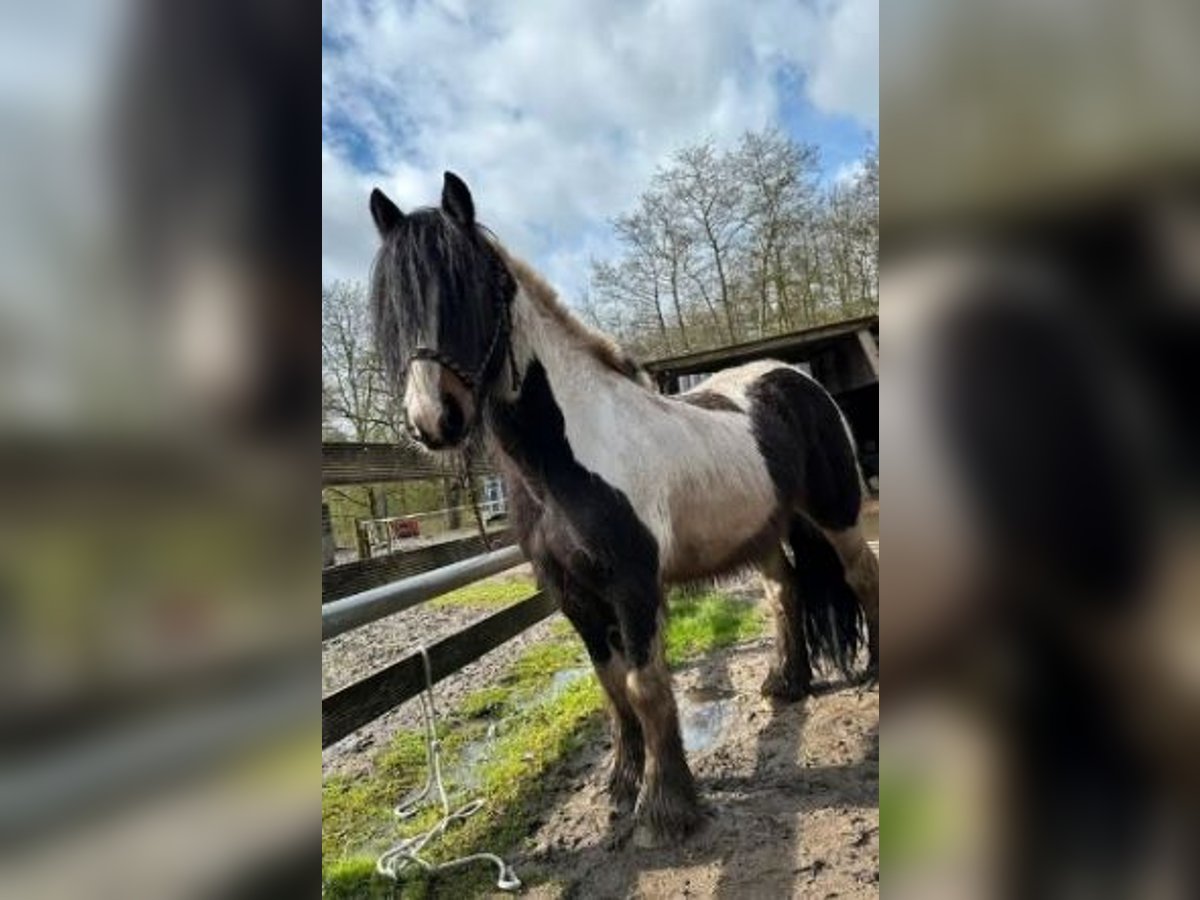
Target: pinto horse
column 616, row 490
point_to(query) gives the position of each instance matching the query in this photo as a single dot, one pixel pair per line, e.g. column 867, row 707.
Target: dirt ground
column 792, row 794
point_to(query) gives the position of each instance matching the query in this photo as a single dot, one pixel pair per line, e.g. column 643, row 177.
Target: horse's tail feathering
column 833, row 618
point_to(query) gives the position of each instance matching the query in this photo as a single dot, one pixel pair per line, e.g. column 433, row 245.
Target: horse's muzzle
column 449, row 430
column 439, row 407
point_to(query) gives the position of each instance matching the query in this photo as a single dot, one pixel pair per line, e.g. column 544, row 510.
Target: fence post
column 453, row 501
column 328, row 546
column 364, row 539
column 473, row 496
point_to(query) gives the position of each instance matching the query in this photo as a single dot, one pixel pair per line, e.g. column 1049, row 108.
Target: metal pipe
column 367, row 606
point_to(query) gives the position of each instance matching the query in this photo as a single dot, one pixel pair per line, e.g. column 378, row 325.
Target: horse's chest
column 590, row 529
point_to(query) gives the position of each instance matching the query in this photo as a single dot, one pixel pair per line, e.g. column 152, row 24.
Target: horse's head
column 441, row 293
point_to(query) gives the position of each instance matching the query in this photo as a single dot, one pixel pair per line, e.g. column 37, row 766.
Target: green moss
column 538, row 664
column 562, row 628
column 539, row 730
column 353, row 877
column 487, row 703
column 489, row 594
column 356, row 812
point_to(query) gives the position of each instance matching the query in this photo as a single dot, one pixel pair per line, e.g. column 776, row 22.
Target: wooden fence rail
column 347, row 463
column 344, row 711
column 360, row 575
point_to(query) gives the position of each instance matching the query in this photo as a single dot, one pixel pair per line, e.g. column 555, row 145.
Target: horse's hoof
column 779, row 687
column 621, row 803
column 647, row 837
column 664, row 820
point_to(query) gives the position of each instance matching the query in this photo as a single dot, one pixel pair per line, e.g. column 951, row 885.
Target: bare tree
column 706, row 194
column 356, row 401
column 356, row 397
column 674, row 245
column 780, row 176
column 723, row 246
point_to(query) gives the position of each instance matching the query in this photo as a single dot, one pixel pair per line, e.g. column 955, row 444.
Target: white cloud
column 849, row 173
column 846, row 75
column 557, row 113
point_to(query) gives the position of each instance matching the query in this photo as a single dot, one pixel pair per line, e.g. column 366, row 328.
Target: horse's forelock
column 432, row 272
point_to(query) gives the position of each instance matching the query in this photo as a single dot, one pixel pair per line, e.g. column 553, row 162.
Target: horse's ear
column 386, row 214
column 456, row 200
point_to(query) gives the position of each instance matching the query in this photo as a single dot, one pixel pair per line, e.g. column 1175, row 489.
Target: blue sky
column 557, row 113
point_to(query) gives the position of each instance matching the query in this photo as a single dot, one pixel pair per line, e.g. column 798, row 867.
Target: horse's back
column 732, row 384
column 801, row 433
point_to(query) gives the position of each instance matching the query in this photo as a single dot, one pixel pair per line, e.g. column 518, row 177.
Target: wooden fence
column 348, row 709
column 353, row 706
column 346, row 463
column 360, row 575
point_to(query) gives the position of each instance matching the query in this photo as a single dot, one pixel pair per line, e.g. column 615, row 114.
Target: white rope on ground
column 393, row 862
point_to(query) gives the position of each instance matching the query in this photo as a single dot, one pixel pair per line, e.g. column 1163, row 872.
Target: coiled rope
column 394, row 861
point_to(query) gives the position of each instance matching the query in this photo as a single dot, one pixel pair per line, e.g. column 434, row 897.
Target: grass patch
column 356, row 813
column 353, row 877
column 539, row 662
column 357, row 819
column 489, row 594
column 708, row 620
column 538, row 729
column 487, row 703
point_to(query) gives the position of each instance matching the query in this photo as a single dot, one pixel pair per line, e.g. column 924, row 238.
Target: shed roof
column 791, row 347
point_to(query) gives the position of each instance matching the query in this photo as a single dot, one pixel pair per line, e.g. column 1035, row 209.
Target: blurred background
column 1040, row 220
column 1040, row 324
column 159, row 375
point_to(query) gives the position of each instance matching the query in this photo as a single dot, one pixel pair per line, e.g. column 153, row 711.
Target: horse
column 616, row 490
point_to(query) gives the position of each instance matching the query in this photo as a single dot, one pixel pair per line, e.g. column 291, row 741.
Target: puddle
column 706, row 693
column 562, row 680
column 559, row 682
column 704, row 712
column 474, row 755
column 464, row 774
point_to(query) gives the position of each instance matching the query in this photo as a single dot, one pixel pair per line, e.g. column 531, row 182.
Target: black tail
column 833, row 618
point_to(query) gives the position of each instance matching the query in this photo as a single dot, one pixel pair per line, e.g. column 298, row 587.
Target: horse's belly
column 717, row 525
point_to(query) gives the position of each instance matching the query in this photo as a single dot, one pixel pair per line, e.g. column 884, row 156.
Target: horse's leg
column 791, row 673
column 862, row 574
column 629, row 749
column 667, row 807
column 596, row 624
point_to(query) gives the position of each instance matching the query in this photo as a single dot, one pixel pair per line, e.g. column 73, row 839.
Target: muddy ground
column 792, row 794
column 792, row 791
